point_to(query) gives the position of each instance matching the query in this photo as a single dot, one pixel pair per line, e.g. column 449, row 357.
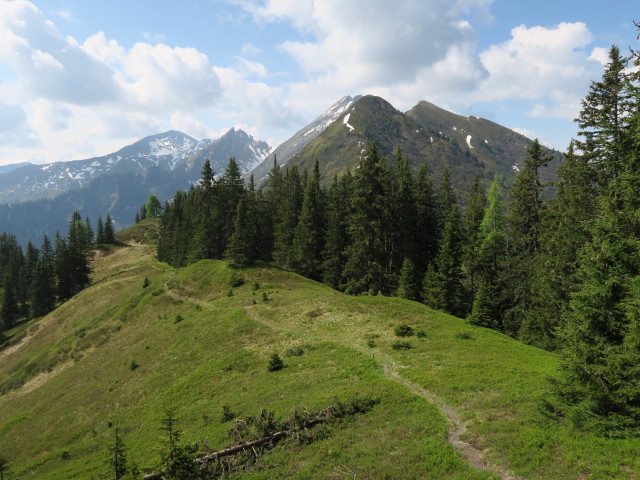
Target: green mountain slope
column 70, row 377
column 426, row 133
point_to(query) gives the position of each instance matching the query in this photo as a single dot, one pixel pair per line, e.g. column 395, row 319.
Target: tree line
column 562, row 274
column 35, row 280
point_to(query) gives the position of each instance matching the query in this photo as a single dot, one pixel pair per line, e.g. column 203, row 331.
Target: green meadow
column 198, row 339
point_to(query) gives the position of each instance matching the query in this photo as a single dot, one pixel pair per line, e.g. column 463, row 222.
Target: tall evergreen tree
column 443, row 287
column 336, row 238
column 109, row 234
column 9, row 310
column 407, row 283
column 288, row 211
column 365, row 266
column 489, row 262
column 427, row 229
column 599, row 387
column 241, row 245
column 405, row 214
column 100, row 231
column 525, row 211
column 472, row 219
column 309, row 234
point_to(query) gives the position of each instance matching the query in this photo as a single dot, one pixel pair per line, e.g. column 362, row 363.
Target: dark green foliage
column 177, row 459
column 118, row 457
column 488, row 262
column 275, row 363
column 227, row 414
column 524, row 224
column 443, row 283
column 146, row 282
column 600, row 338
column 236, row 281
column 309, row 234
column 407, row 283
column 295, row 352
column 242, row 241
column 133, row 365
column 421, row 334
column 288, row 202
column 403, row 330
column 100, row 231
column 31, row 283
column 4, row 469
column 109, row 233
column 366, row 268
column 178, row 319
column 464, row 336
column 336, row 239
column 401, row 345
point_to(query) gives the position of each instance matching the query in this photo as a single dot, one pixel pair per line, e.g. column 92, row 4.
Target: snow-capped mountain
column 303, row 137
column 167, row 152
column 248, row 152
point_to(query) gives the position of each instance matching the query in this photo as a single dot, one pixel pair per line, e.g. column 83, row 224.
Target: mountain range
column 38, row 199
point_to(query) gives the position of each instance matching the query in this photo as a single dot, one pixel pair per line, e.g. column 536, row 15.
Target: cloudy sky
column 81, row 78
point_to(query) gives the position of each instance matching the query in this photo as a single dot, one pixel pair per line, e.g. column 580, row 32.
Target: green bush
column 403, row 330
column 275, row 363
column 421, row 334
column 295, row 352
column 236, row 281
column 227, row 414
column 464, row 336
column 400, row 345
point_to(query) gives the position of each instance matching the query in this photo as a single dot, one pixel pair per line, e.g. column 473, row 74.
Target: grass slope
column 70, row 379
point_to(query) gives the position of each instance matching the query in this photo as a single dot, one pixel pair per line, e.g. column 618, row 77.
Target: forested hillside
column 559, row 273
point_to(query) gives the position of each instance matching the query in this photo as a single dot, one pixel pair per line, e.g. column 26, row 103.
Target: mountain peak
column 304, row 136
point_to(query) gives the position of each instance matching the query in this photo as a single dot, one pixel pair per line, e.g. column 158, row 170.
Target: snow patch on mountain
column 345, row 121
column 469, row 141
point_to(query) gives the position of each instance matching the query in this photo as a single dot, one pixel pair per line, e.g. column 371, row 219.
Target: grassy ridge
column 58, row 424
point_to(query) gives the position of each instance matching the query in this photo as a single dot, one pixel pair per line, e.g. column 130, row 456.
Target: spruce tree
column 288, row 211
column 109, row 234
column 405, row 214
column 472, row 218
column 309, row 233
column 407, row 283
column 443, row 287
column 364, row 270
column 524, row 224
column 336, row 233
column 427, row 229
column 9, row 310
column 242, row 242
column 489, row 260
column 100, row 231
column 118, row 458
column 599, row 388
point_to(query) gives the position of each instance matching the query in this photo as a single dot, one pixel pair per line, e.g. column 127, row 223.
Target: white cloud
column 154, row 37
column 187, row 124
column 258, row 102
column 372, row 42
column 249, row 50
column 51, row 65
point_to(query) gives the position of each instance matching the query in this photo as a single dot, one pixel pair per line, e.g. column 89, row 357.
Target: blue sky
column 82, row 78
